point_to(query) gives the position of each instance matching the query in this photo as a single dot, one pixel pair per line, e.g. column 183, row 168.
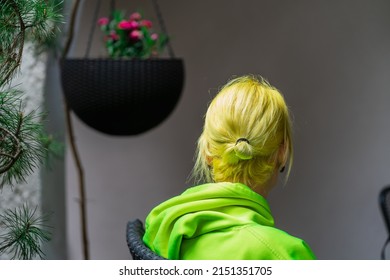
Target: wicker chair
column 138, row 250
column 384, row 202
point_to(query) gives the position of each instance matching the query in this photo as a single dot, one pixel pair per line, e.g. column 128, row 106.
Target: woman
column 246, row 142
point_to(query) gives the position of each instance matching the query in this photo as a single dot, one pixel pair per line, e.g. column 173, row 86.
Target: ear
column 209, row 160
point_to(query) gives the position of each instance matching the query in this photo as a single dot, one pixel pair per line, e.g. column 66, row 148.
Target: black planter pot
column 122, row 97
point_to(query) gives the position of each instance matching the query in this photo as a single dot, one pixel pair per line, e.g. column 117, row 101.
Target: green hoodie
column 219, row 221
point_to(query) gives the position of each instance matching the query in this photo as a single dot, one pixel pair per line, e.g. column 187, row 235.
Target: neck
column 265, row 188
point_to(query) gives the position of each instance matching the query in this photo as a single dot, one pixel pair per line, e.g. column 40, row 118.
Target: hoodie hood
column 200, row 210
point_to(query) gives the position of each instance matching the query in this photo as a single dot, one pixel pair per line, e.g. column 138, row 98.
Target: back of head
column 245, row 126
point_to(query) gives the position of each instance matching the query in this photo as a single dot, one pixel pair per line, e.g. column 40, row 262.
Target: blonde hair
column 245, row 126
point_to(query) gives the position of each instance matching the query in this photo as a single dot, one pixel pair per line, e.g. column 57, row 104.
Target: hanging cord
column 162, row 25
column 72, row 22
column 73, row 146
column 383, row 253
column 94, row 22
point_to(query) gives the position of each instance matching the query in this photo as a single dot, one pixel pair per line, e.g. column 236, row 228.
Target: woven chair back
column 384, row 203
column 138, row 250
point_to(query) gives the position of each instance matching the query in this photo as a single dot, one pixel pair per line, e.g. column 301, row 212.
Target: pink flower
column 154, row 36
column 146, row 23
column 114, row 36
column 136, row 35
column 127, row 25
column 135, row 16
column 103, row 21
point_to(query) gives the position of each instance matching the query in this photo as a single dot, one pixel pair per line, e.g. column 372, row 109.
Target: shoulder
column 277, row 244
column 245, row 242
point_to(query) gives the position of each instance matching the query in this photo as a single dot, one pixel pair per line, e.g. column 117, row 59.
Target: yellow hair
column 247, row 107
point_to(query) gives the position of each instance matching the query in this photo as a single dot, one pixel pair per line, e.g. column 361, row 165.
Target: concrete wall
column 329, row 58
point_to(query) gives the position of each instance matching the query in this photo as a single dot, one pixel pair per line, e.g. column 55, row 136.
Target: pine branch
column 23, row 143
column 24, row 233
column 14, row 58
column 9, row 159
column 38, row 17
column 21, row 147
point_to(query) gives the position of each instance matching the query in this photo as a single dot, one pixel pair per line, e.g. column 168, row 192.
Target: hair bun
column 243, row 150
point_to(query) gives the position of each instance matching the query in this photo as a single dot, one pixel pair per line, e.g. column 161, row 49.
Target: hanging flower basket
column 122, row 97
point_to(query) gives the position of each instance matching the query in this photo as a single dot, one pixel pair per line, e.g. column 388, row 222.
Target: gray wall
column 53, row 175
column 329, row 58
